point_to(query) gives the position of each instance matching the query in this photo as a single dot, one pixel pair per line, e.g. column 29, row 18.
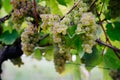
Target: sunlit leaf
column 54, row 7
column 37, row 54
column 49, row 53
column 7, row 6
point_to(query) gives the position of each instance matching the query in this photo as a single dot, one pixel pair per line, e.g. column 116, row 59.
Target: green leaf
column 73, row 69
column 37, row 54
column 53, row 4
column 49, row 54
column 110, row 60
column 71, row 31
column 69, row 2
column 9, row 38
column 113, row 30
column 106, row 75
column 62, row 2
column 7, row 6
column 92, row 59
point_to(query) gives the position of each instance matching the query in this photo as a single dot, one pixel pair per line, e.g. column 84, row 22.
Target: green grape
column 29, row 39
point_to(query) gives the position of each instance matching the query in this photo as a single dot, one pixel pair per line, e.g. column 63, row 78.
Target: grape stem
column 3, row 19
column 92, row 5
column 75, row 5
column 35, row 13
column 110, row 46
column 104, row 31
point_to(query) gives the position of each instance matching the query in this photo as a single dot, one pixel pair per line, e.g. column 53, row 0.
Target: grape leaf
column 37, row 54
column 54, row 7
column 9, row 38
column 71, row 31
column 110, row 60
column 62, row 2
column 74, row 69
column 93, row 59
column 113, row 30
column 49, row 54
column 7, row 6
column 106, row 75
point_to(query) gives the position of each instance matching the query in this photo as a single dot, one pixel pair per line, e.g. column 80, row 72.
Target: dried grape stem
column 35, row 13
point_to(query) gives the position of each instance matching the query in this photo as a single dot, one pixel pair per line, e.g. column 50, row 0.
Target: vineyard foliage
column 60, row 30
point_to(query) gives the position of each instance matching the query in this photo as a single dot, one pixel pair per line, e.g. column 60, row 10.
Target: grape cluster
column 60, row 59
column 25, row 8
column 89, row 27
column 57, row 29
column 115, row 74
column 29, row 39
column 21, row 8
column 86, row 25
column 114, row 8
column 86, row 29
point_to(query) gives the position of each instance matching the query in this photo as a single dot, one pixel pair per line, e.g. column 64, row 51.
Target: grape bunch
column 86, row 25
column 29, row 38
column 23, row 9
column 114, row 8
column 86, row 30
column 89, row 27
column 58, row 30
column 60, row 59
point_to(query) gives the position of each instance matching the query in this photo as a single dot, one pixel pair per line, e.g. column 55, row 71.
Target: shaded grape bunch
column 114, row 8
column 60, row 60
column 29, row 38
column 115, row 74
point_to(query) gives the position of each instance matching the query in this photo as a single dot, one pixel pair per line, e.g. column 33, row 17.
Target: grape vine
column 75, row 33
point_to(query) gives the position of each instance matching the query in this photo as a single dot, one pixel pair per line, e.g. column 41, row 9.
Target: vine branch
column 92, row 5
column 2, row 20
column 75, row 5
column 110, row 46
column 35, row 13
